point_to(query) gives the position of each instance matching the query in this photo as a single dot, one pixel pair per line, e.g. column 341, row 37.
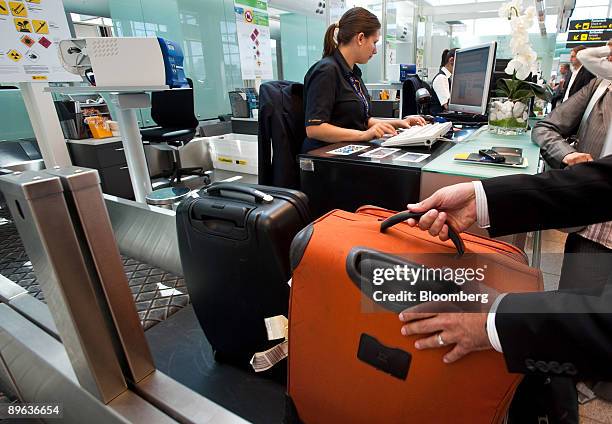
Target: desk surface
column 389, row 161
column 445, row 164
column 95, row 141
column 322, row 153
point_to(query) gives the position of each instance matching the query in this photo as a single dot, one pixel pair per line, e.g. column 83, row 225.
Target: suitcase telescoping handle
column 260, row 196
column 403, row 216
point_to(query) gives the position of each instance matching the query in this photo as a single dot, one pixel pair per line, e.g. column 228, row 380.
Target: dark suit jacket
column 281, row 129
column 560, row 89
column 538, row 333
column 582, row 78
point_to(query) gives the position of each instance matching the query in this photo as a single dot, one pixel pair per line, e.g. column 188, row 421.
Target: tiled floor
column 596, row 411
column 157, row 294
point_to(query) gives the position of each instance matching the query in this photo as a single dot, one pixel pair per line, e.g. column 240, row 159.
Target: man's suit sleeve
column 557, row 333
column 551, row 133
column 578, row 195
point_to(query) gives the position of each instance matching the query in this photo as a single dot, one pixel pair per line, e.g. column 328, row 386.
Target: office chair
column 173, row 112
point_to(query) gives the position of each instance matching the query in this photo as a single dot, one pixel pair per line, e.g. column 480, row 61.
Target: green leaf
column 501, row 93
column 502, row 84
column 522, row 94
column 547, row 95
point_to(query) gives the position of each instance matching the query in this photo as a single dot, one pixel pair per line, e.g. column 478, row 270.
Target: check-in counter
column 444, row 170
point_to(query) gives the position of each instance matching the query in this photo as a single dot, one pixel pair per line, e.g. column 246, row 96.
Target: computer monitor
column 472, row 78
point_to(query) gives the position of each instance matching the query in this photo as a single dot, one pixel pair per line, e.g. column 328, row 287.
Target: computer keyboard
column 425, row 135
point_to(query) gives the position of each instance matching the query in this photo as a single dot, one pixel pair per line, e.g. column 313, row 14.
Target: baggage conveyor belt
column 178, row 344
column 157, row 293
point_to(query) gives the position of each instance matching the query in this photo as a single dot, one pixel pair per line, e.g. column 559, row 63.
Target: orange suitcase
column 330, row 320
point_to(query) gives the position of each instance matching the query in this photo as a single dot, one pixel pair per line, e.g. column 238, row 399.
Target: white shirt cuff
column 491, row 329
column 482, row 207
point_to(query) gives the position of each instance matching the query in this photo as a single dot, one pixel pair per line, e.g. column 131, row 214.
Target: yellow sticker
column 462, row 156
column 22, row 25
column 3, row 8
column 226, row 160
column 14, row 55
column 241, row 162
column 39, row 77
column 40, row 27
column 18, row 8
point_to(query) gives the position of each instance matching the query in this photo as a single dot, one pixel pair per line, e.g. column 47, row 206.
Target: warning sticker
column 40, row 26
column 32, row 55
column 45, row 42
column 22, row 25
column 28, row 50
column 14, row 55
column 27, row 40
column 18, row 8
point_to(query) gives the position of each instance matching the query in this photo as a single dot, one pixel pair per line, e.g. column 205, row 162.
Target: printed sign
column 590, row 24
column 597, row 35
column 253, row 28
column 30, row 32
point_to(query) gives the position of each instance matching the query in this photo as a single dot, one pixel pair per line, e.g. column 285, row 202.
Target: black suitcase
column 234, row 244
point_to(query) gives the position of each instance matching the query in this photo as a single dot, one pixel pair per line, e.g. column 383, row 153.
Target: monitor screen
column 471, row 78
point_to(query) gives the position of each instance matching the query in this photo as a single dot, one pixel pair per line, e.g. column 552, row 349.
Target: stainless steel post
column 36, row 201
column 91, row 219
column 132, row 141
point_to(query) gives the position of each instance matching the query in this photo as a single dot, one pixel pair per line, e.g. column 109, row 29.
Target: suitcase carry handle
column 260, row 196
column 361, row 259
column 403, row 216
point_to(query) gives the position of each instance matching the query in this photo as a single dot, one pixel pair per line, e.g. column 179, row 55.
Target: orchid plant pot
column 508, row 117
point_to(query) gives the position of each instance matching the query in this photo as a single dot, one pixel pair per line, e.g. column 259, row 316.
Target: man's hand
column 576, row 158
column 454, row 204
column 465, row 330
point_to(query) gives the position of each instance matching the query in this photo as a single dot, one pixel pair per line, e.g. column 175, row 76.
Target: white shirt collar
column 446, row 71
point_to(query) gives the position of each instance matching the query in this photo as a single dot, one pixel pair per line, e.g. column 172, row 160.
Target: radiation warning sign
column 30, row 33
column 14, row 55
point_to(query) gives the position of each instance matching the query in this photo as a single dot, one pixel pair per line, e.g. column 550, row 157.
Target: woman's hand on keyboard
column 377, row 131
column 411, row 120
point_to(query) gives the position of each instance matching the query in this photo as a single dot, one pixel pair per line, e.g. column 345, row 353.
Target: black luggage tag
column 390, row 360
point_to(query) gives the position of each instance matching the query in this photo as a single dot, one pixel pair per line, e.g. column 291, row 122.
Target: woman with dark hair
column 336, row 102
column 441, row 82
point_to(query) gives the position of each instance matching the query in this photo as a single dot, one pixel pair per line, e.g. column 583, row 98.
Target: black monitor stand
column 464, row 118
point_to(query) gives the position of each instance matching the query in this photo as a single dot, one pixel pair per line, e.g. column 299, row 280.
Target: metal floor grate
column 157, row 293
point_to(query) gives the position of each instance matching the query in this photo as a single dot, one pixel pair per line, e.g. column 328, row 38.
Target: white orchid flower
column 519, row 66
column 524, row 58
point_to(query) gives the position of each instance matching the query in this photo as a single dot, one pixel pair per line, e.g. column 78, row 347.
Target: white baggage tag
column 277, row 328
column 263, row 361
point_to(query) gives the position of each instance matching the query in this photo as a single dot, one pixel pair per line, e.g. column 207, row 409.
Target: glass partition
column 207, row 31
column 302, row 43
